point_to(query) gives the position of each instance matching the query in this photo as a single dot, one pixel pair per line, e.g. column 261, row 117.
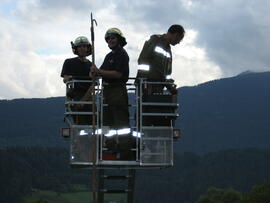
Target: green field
column 82, row 196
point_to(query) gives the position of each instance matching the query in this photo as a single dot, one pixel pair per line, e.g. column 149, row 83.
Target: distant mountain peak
column 247, row 72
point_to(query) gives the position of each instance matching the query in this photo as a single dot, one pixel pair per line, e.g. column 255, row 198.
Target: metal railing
column 153, row 146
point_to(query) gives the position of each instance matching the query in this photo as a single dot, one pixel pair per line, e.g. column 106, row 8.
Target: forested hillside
column 221, row 114
column 225, row 143
column 24, row 170
column 226, row 113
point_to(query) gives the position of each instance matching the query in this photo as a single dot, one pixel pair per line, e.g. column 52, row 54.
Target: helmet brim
column 122, row 40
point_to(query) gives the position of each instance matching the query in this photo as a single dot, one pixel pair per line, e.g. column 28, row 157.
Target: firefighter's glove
column 171, row 87
column 173, row 90
column 169, row 81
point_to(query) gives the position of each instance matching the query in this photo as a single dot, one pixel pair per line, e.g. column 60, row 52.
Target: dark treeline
column 258, row 194
column 192, row 175
column 23, row 170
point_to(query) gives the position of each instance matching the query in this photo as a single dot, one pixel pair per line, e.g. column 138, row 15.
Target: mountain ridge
column 215, row 115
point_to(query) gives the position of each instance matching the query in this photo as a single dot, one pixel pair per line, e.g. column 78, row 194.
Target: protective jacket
column 116, row 115
column 77, row 68
column 155, row 60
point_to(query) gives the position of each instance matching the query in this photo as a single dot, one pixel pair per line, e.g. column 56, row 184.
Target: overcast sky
column 223, row 38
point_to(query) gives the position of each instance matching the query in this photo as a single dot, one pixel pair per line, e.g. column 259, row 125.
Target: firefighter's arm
column 87, row 96
column 146, row 53
column 144, row 60
column 67, row 78
column 105, row 73
column 109, row 74
column 66, row 73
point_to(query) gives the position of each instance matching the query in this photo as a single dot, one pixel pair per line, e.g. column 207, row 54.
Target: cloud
column 191, row 64
column 24, row 73
column 233, row 33
column 223, row 38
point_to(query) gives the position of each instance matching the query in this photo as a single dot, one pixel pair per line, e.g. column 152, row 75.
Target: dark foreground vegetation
column 26, row 170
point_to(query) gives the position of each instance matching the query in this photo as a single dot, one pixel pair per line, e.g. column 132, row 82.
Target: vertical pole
column 94, row 140
column 101, row 185
column 140, row 116
column 131, row 186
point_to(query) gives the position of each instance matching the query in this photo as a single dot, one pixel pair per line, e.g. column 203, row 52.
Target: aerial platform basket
column 150, row 136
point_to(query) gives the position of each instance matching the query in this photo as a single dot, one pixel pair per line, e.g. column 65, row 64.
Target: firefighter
column 155, row 60
column 79, row 68
column 115, row 72
column 155, row 65
column 80, row 65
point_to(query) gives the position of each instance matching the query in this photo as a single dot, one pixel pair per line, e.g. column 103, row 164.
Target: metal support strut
column 105, row 184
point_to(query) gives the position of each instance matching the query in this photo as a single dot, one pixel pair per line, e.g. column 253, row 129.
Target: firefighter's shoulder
column 154, row 38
